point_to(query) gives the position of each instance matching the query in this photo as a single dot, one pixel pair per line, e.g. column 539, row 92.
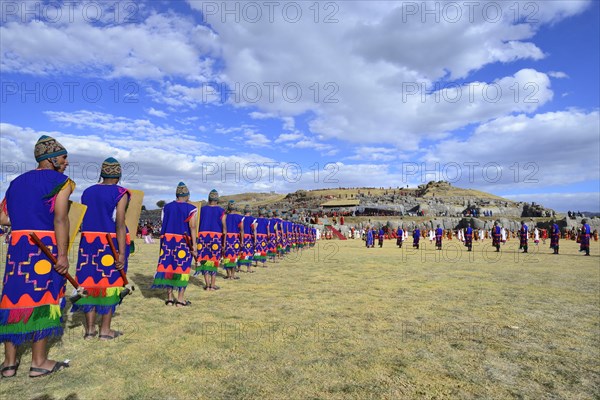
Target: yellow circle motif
column 107, row 260
column 181, row 254
column 42, row 267
column 200, row 246
column 236, row 246
column 162, row 252
column 215, row 246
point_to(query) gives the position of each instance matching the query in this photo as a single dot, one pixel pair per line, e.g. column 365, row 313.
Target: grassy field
column 340, row 321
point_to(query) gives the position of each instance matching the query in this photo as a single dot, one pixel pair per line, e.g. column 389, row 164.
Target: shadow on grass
column 143, row 285
column 75, row 320
column 72, row 396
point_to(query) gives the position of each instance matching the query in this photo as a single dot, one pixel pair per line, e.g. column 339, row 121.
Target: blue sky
column 258, row 96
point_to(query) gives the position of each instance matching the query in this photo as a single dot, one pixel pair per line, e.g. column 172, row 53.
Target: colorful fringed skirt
column 233, row 248
column 174, row 263
column 32, row 291
column 260, row 250
column 96, row 272
column 246, row 256
column 209, row 251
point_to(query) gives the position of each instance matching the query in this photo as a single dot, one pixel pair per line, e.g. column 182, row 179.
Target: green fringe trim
column 206, row 265
column 111, row 298
column 43, row 317
column 178, row 280
column 229, row 263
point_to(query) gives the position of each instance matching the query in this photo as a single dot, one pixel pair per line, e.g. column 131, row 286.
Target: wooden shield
column 198, row 205
column 134, row 209
column 76, row 213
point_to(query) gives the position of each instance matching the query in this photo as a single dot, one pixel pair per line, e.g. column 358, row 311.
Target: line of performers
column 36, row 206
column 223, row 238
column 467, row 235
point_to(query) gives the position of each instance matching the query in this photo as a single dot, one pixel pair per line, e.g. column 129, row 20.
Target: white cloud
column 557, row 74
column 159, row 46
column 288, row 123
column 157, row 113
column 135, row 138
column 406, row 117
column 153, row 166
column 288, row 137
column 260, row 115
column 380, row 154
column 374, row 57
column 254, row 139
column 544, row 150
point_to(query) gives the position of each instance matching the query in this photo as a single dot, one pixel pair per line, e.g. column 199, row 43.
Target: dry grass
column 344, row 322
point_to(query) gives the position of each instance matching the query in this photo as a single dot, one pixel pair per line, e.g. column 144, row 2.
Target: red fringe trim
column 19, row 314
column 96, row 292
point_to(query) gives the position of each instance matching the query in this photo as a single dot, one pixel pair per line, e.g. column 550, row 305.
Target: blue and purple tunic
column 272, row 244
column 32, row 291
column 524, row 236
column 370, row 238
column 439, row 234
column 96, row 270
column 416, row 237
column 399, row 236
column 175, row 258
column 496, row 236
column 586, row 233
column 469, row 236
column 247, row 254
column 262, row 240
column 554, row 236
column 233, row 241
column 210, row 239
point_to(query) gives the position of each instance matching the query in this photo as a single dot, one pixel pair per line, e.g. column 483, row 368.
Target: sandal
column 116, row 334
column 90, row 335
column 184, row 303
column 167, row 302
column 10, row 368
column 57, row 367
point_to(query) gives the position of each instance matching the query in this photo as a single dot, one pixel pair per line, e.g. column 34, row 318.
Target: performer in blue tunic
column 399, row 237
column 248, row 246
column 496, row 236
column 177, row 246
column 211, row 234
column 233, row 240
column 262, row 238
column 291, row 235
column 33, row 289
column 469, row 237
column 381, row 236
column 370, row 240
column 586, row 232
column 97, row 269
column 416, row 237
column 524, row 235
column 439, row 234
column 554, row 236
column 273, row 236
